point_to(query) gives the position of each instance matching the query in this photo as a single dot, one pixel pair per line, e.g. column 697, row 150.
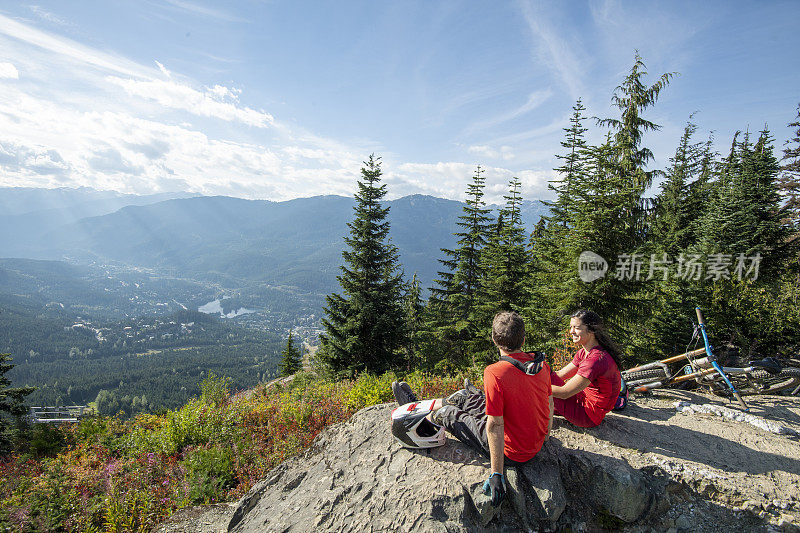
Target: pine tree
column 452, row 303
column 555, row 247
column 506, row 265
column 632, row 97
column 672, row 228
column 616, row 219
column 678, row 208
column 291, row 358
column 364, row 324
column 789, row 181
column 746, row 216
column 11, row 401
column 413, row 313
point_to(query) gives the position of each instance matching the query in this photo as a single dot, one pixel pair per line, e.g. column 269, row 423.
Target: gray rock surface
column 647, row 469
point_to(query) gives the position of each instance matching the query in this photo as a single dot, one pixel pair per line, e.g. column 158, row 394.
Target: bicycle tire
column 762, row 382
column 652, row 374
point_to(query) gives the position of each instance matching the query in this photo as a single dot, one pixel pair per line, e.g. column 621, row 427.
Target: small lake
column 214, row 307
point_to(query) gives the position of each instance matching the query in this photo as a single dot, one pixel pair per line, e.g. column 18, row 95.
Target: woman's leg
column 572, row 408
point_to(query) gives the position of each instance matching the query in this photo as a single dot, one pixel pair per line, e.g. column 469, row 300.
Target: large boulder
column 650, row 467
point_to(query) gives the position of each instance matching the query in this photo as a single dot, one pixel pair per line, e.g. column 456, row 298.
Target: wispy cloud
column 204, row 11
column 69, row 48
column 555, row 49
column 48, row 16
column 163, row 69
column 535, row 99
column 206, row 103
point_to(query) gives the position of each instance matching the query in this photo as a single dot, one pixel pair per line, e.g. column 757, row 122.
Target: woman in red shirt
column 586, row 388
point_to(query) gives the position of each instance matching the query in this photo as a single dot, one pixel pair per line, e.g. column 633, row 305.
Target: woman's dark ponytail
column 594, row 323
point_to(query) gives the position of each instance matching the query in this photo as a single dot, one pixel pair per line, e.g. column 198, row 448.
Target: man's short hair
column 508, row 331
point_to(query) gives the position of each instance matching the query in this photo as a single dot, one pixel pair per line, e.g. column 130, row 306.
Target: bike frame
column 698, row 373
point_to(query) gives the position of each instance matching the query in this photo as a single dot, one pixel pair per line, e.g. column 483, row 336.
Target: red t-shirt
column 600, row 369
column 522, row 401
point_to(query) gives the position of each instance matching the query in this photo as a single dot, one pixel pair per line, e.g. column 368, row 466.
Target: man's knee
column 447, row 416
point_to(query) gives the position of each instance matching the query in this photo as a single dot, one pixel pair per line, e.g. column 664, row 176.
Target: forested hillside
column 157, row 360
column 721, row 233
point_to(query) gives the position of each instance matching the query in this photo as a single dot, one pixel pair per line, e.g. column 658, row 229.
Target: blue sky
column 285, row 99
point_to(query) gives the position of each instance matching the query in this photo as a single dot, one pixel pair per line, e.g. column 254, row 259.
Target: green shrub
column 195, row 424
column 215, row 390
column 209, row 474
column 371, row 390
column 46, row 440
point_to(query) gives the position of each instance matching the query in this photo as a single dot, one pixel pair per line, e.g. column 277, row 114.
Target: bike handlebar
column 699, row 316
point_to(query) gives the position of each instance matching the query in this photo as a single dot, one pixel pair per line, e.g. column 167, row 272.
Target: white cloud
column 163, row 69
column 450, row 180
column 43, row 143
column 504, row 152
column 9, row 71
column 204, row 103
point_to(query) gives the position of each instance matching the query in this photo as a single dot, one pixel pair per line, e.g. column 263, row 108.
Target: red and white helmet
column 412, row 429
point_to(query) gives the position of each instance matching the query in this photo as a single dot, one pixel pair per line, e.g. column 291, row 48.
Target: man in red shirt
column 511, row 421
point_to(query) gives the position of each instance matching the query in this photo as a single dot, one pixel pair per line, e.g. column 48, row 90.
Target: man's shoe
column 469, row 387
column 403, row 393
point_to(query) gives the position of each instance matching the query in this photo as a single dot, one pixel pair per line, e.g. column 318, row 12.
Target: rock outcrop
column 649, row 468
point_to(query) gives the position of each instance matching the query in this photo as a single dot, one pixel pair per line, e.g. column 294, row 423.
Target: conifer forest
column 719, row 231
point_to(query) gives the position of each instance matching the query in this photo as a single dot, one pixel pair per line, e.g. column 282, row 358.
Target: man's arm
column 572, row 387
column 567, row 371
column 550, row 420
column 494, row 433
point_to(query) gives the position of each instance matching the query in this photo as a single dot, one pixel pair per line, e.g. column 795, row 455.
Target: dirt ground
column 732, row 463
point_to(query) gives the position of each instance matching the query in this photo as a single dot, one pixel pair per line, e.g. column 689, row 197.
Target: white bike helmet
column 413, row 430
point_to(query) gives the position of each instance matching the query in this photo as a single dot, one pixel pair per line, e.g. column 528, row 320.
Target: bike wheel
column 644, row 376
column 762, row 382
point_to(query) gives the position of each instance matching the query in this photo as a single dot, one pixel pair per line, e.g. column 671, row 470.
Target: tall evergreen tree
column 453, row 300
column 632, row 97
column 291, row 358
column 619, row 222
column 746, row 216
column 555, row 245
column 789, row 184
column 678, row 206
column 672, row 228
column 364, row 324
column 572, row 171
column 506, row 266
column 413, row 313
column 789, row 181
column 11, row 401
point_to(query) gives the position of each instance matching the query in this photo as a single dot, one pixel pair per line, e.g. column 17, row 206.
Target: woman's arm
column 567, row 371
column 572, row 387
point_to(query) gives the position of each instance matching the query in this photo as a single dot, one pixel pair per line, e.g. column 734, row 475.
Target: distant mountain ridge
column 294, row 243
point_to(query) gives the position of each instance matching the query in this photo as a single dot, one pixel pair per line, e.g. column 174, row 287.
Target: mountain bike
column 766, row 376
